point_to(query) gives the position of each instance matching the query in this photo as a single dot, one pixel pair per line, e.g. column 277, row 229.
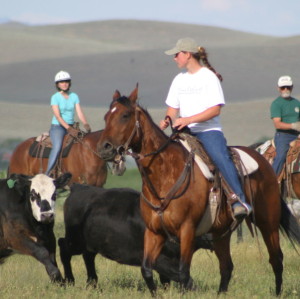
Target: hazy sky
column 272, row 17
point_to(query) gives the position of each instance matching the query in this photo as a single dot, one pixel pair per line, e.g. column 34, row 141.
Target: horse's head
column 121, row 126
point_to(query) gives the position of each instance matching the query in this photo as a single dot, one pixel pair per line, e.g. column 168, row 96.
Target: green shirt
column 288, row 110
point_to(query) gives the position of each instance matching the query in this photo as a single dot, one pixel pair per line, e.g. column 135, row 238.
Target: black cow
column 27, row 218
column 108, row 221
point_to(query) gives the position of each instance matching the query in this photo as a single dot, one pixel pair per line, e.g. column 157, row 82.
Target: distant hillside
column 108, row 55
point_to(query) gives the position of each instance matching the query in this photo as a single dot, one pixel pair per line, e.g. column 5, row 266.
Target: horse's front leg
column 153, row 244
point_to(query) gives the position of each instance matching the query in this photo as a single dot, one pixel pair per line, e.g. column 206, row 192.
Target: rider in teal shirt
column 64, row 104
column 66, row 107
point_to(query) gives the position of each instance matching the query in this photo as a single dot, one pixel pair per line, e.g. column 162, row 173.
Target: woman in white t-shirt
column 197, row 96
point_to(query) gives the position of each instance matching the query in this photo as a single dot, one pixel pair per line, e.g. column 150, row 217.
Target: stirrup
column 240, row 211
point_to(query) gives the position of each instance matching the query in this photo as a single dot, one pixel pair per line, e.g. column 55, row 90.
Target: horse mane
column 123, row 100
column 154, row 125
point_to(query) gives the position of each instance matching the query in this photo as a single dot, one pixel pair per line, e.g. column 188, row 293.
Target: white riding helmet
column 62, row 76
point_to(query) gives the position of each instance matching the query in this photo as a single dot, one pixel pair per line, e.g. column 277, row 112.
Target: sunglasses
column 175, row 55
column 286, row 87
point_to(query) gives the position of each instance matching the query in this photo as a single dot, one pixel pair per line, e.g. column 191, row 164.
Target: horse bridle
column 124, row 148
column 172, row 193
column 186, row 173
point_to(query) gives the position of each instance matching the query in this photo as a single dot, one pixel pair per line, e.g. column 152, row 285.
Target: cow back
column 107, row 221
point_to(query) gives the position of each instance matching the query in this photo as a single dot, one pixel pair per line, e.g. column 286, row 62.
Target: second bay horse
column 82, row 161
column 168, row 212
column 290, row 178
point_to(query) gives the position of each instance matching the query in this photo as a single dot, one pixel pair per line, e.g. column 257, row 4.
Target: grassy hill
column 107, row 55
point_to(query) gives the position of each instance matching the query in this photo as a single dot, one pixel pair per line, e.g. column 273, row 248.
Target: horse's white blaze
column 43, row 186
column 113, row 109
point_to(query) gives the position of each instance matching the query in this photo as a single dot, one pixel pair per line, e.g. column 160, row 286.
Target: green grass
column 24, row 277
column 131, row 178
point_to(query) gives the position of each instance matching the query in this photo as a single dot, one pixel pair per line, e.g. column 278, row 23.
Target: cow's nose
column 47, row 217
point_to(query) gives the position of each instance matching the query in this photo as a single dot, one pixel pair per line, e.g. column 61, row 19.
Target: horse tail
column 289, row 224
column 7, row 172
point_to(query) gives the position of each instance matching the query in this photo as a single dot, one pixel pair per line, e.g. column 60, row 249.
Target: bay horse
column 82, row 161
column 177, row 212
column 289, row 178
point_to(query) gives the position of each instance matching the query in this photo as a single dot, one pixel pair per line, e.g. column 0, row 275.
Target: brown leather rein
column 184, row 177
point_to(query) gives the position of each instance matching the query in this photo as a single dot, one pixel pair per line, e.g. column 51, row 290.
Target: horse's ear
column 134, row 95
column 116, row 95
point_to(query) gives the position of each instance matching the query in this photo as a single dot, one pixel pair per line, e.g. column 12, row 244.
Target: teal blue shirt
column 66, row 107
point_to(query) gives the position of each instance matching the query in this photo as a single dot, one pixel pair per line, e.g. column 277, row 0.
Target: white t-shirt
column 194, row 93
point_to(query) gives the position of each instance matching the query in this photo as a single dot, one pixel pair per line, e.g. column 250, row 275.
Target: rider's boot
column 241, row 208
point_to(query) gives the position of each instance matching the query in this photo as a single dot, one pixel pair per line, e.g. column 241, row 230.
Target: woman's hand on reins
column 164, row 124
column 181, row 122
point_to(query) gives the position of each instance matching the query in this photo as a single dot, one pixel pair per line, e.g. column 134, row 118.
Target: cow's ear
column 62, row 180
column 18, row 182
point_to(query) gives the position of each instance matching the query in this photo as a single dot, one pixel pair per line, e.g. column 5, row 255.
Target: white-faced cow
column 109, row 222
column 27, row 218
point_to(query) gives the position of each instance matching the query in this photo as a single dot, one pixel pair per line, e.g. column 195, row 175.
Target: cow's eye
column 38, row 201
column 53, row 197
column 34, row 196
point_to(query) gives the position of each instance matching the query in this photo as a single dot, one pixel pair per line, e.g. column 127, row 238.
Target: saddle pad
column 43, row 136
column 204, row 168
column 250, row 165
column 263, row 147
column 295, row 167
column 36, row 150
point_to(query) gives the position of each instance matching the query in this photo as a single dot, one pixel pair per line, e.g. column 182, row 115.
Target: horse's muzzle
column 107, row 151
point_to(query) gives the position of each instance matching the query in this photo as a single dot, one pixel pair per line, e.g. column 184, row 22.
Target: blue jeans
column 57, row 133
column 215, row 145
column 282, row 144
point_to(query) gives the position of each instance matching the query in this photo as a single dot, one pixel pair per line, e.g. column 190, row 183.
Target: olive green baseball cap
column 184, row 45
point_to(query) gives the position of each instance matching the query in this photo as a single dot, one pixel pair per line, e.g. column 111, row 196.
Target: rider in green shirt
column 285, row 113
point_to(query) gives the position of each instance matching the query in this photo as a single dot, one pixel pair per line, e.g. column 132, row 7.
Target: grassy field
column 24, row 277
